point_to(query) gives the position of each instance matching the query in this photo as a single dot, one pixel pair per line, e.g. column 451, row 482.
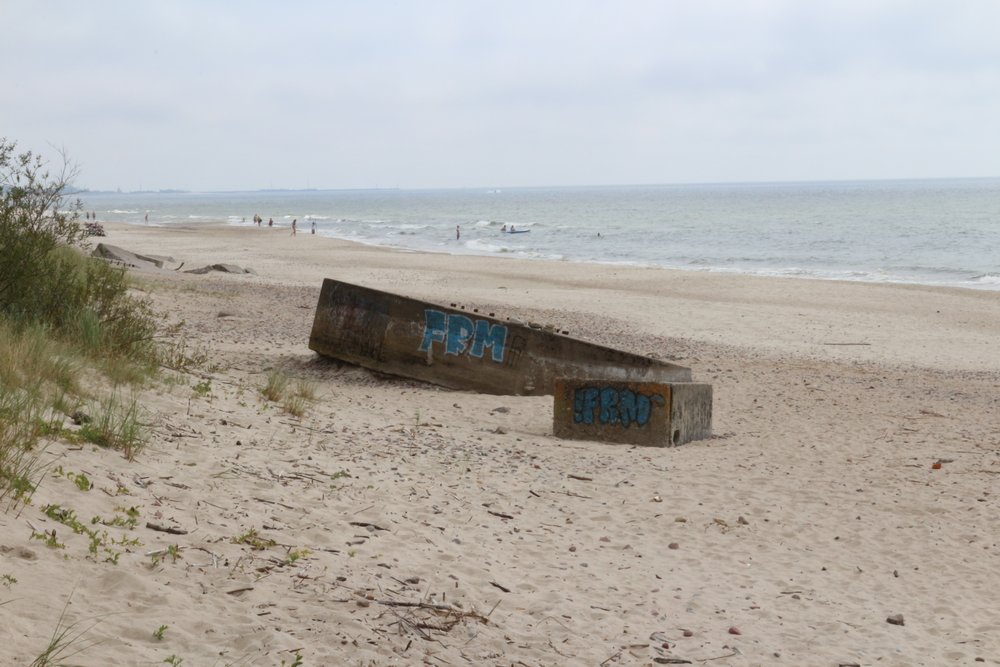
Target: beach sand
column 415, row 525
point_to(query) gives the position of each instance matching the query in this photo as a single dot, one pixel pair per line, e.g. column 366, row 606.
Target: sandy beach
column 397, row 523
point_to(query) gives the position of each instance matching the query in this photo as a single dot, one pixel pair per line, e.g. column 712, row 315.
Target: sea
column 929, row 232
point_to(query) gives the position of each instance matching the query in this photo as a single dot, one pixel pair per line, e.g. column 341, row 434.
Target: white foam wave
column 478, row 245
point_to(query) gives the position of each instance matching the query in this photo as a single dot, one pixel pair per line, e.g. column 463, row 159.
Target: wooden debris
column 173, row 530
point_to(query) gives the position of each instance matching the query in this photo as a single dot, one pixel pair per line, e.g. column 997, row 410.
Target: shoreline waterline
column 934, row 233
column 991, row 285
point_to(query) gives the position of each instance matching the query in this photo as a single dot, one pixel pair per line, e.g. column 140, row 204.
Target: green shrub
column 46, row 280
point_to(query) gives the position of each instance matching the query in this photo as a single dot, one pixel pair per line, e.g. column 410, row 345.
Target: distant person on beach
column 458, row 232
column 314, row 227
column 270, row 222
column 147, row 218
column 294, row 227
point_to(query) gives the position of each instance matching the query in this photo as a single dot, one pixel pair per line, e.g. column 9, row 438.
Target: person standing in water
column 313, row 226
column 458, row 232
column 294, row 222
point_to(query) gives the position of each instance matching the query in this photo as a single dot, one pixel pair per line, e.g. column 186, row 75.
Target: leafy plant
column 203, row 388
column 252, row 539
column 82, row 482
column 48, row 538
column 123, row 518
column 296, row 554
column 158, row 632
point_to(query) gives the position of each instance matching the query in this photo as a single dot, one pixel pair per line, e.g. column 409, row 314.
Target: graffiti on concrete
column 609, row 406
column 463, row 335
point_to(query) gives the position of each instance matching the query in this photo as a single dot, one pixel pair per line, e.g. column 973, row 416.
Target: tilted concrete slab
column 127, row 257
column 635, row 413
column 464, row 350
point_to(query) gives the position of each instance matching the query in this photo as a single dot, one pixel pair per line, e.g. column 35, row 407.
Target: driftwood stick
column 165, row 529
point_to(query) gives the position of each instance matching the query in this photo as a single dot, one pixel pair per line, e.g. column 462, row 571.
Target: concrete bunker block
column 464, row 350
column 655, row 414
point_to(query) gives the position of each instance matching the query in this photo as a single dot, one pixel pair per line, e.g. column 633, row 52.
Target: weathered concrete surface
column 463, row 350
column 636, row 413
column 223, row 268
column 128, row 258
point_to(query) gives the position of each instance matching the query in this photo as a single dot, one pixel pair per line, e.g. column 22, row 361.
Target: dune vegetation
column 73, row 333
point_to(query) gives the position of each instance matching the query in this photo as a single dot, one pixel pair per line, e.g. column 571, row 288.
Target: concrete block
column 636, row 413
column 464, row 350
column 126, row 257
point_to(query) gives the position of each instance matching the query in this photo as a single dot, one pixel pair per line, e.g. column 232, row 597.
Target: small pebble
column 733, row 630
column 688, row 633
column 896, row 619
column 673, row 545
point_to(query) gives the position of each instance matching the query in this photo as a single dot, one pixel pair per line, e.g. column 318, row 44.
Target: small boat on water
column 517, row 231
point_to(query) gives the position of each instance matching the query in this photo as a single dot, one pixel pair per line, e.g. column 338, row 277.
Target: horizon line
column 498, row 189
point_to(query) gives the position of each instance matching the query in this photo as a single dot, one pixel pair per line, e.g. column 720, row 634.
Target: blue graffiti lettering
column 493, row 336
column 461, row 335
column 434, row 328
column 460, row 332
column 584, row 403
column 613, row 406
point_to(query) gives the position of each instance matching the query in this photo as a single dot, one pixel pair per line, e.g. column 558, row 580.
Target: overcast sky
column 212, row 94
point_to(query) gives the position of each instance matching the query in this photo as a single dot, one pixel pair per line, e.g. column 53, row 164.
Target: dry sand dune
column 396, row 523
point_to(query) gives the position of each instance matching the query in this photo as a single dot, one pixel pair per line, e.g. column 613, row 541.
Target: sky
column 225, row 95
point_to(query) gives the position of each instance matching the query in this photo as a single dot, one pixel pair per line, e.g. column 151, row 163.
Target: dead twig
column 365, row 524
column 165, row 529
